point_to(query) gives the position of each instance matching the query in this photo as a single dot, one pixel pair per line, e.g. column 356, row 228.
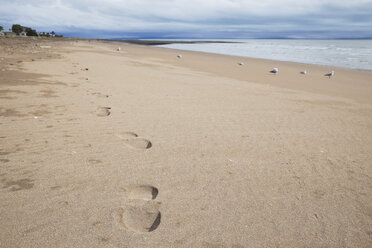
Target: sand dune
column 138, row 148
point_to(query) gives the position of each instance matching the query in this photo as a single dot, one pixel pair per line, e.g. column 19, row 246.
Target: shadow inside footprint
column 156, row 223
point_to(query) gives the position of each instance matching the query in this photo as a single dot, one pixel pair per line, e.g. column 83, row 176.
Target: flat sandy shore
column 138, row 148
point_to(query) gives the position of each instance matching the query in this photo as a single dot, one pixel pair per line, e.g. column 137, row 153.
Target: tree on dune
column 1, row 28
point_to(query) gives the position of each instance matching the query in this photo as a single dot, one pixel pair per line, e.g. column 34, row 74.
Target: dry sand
column 138, row 148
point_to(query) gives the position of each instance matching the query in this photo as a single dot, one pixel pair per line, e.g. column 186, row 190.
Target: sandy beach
column 139, row 148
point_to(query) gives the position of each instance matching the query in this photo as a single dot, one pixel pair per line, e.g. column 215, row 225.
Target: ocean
column 354, row 54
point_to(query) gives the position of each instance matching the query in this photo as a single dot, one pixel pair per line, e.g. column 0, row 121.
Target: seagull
column 329, row 75
column 179, row 56
column 118, row 49
column 304, row 72
column 274, row 70
column 241, row 63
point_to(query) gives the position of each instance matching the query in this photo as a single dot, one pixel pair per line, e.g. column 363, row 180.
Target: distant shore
column 167, row 42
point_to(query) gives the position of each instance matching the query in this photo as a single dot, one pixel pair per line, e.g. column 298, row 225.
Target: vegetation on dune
column 16, row 28
column 26, row 31
column 31, row 32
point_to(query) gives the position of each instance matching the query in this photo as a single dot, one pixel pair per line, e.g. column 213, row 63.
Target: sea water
column 355, row 54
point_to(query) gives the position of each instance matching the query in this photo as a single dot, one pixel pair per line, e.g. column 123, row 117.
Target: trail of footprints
column 142, row 213
column 131, row 139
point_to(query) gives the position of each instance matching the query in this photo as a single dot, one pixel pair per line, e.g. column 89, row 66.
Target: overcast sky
column 193, row 18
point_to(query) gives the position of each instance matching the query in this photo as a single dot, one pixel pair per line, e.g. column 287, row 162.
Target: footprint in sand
column 144, row 192
column 139, row 143
column 142, row 216
column 103, row 111
column 132, row 140
column 142, row 213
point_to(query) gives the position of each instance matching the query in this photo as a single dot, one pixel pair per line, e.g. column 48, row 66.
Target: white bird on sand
column 118, row 49
column 241, row 63
column 304, row 72
column 179, row 56
column 329, row 75
column 274, row 70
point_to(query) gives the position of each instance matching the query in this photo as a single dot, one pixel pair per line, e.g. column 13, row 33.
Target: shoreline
column 269, row 60
column 273, row 60
column 339, row 88
column 159, row 43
